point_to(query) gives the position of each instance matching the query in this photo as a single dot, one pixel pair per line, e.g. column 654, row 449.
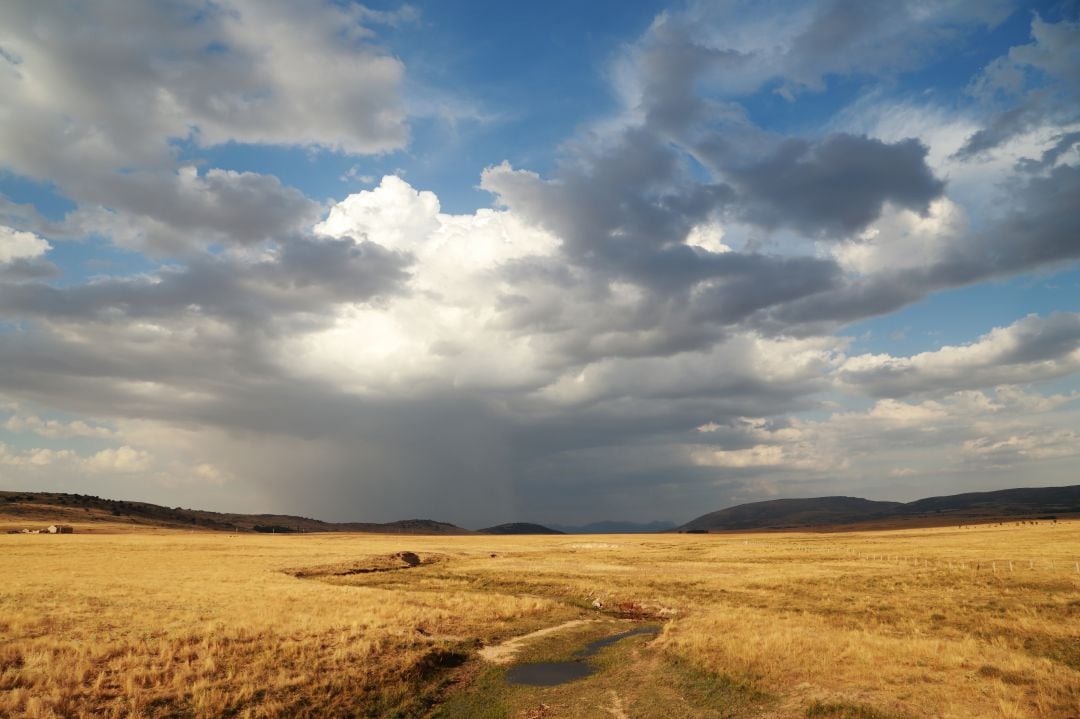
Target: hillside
column 519, row 528
column 34, row 509
column 1002, row 503
column 783, row 513
column 827, row 511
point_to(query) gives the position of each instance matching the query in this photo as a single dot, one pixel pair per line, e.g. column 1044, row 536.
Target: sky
column 558, row 262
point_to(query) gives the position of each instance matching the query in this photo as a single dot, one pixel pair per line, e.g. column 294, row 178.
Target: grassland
column 947, row 622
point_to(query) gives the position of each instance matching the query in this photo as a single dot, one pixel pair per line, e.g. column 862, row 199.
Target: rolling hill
column 783, row 513
column 519, row 528
column 615, row 527
column 31, row 509
column 1002, row 504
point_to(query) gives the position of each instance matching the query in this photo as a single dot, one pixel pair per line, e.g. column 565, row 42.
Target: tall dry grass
column 208, row 625
column 909, row 623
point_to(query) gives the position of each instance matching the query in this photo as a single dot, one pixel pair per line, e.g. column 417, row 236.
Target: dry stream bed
column 598, row 665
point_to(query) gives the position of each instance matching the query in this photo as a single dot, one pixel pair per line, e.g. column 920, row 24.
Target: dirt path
column 616, row 708
column 505, row 652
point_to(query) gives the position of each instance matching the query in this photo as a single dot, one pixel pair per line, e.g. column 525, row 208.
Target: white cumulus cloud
column 123, row 460
column 15, row 245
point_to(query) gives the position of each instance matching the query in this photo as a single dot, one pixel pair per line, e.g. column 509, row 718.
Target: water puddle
column 549, row 674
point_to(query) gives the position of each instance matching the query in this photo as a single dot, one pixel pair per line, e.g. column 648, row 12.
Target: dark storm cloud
column 620, row 223
column 672, row 64
column 1043, row 227
column 1046, row 339
column 1040, row 227
column 174, row 214
column 1063, row 143
column 617, row 207
column 837, row 186
column 852, row 300
column 305, row 277
column 1037, row 229
column 24, row 269
column 466, row 457
column 179, row 213
column 359, row 457
column 624, row 211
column 762, row 282
column 1001, row 128
column 624, row 206
column 664, row 489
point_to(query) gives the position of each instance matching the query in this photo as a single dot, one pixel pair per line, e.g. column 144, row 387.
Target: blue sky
column 554, row 262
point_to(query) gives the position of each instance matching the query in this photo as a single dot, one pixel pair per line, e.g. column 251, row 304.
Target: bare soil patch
column 505, row 652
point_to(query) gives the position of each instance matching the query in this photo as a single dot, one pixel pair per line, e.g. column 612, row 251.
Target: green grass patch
column 486, row 697
column 630, row 677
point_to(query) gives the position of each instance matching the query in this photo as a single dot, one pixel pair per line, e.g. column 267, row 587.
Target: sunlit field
column 972, row 622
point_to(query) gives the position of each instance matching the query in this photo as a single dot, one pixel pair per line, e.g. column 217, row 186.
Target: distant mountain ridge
column 825, row 511
column 519, row 528
column 31, row 507
column 615, row 527
column 798, row 512
column 1024, row 499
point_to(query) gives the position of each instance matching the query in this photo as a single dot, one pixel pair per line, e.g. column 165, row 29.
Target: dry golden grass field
column 948, row 622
